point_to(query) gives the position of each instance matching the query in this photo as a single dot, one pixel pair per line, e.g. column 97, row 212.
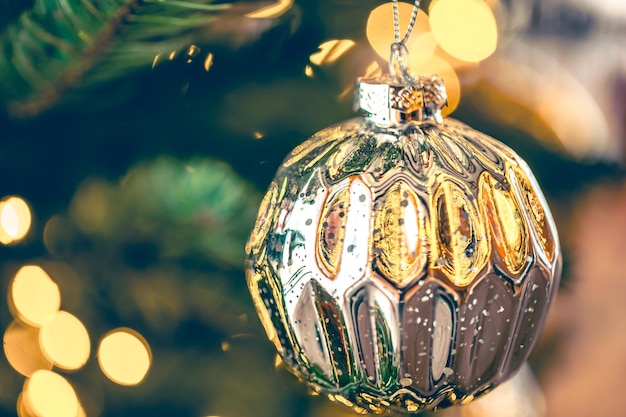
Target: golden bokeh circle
column 465, row 29
column 48, row 394
column 441, row 67
column 33, row 295
column 380, row 30
column 15, row 220
column 64, row 341
column 124, row 356
column 21, row 409
column 21, row 348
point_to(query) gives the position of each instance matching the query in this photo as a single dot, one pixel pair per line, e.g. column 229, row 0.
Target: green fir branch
column 54, row 46
column 197, row 208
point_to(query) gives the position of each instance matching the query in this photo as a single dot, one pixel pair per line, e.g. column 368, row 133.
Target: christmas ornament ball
column 401, row 261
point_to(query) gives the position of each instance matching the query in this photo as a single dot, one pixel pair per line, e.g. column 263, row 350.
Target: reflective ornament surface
column 401, row 261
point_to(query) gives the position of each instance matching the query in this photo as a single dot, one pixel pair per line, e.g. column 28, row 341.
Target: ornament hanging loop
column 399, row 54
column 399, row 62
column 400, row 97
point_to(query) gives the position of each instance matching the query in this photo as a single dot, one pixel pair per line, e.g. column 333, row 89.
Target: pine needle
column 58, row 44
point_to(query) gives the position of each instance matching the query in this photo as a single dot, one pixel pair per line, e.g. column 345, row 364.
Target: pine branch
column 197, row 208
column 59, row 45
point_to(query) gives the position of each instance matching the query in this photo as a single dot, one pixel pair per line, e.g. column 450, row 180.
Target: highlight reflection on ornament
column 402, row 261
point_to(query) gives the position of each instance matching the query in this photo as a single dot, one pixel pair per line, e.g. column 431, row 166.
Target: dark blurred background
column 137, row 138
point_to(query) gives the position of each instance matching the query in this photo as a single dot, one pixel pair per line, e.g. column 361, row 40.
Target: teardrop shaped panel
column 508, row 227
column 485, row 330
column 398, row 235
column 332, row 230
column 459, row 238
column 375, row 323
column 428, row 338
column 311, row 335
column 442, row 338
column 535, row 206
column 534, row 302
column 334, row 330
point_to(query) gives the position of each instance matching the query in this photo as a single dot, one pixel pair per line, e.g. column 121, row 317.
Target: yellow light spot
column 439, row 66
column 64, row 340
column 124, row 357
column 21, row 347
column 465, row 29
column 33, row 296
column 458, row 64
column 15, row 220
column 84, row 36
column 272, row 11
column 379, row 30
column 331, row 51
column 193, row 50
column 372, row 70
column 468, row 399
column 172, row 55
column 308, row 71
column 278, row 362
column 21, row 407
column 225, row 346
column 423, row 47
column 156, row 59
column 208, row 62
column 258, row 135
column 47, row 394
column 349, row 90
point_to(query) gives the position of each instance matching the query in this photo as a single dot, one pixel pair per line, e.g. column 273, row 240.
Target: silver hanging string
column 399, row 54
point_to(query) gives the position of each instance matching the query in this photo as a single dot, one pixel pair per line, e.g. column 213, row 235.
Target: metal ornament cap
column 388, row 101
column 403, row 261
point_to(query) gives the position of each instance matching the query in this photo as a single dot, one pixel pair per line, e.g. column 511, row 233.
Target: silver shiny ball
column 402, row 261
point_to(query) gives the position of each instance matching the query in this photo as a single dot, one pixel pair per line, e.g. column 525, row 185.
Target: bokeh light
column 439, row 66
column 64, row 340
column 48, row 394
column 124, row 357
column 21, row 348
column 21, row 408
column 380, row 32
column 33, row 295
column 563, row 115
column 208, row 62
column 330, row 51
column 422, row 46
column 15, row 220
column 465, row 29
column 272, row 11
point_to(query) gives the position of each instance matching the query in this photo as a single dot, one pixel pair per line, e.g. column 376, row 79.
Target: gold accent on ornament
column 332, row 231
column 510, row 234
column 544, row 225
column 398, row 235
column 262, row 222
column 459, row 234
